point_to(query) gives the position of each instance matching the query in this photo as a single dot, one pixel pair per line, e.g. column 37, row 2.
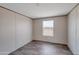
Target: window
column 48, row 28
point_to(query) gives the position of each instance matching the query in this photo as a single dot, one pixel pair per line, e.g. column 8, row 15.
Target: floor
column 42, row 48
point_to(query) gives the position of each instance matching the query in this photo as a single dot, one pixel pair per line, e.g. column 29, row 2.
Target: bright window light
column 48, row 28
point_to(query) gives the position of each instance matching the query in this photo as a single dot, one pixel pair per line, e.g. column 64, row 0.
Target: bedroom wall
column 60, row 30
column 15, row 31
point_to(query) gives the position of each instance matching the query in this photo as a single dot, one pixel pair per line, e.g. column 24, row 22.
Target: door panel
column 72, row 30
column 23, row 30
column 7, row 31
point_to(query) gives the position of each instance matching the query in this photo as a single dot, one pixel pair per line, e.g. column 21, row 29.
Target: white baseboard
column 51, row 41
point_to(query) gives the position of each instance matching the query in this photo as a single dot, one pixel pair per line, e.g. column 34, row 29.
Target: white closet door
column 78, row 30
column 7, row 31
column 72, row 30
column 23, row 31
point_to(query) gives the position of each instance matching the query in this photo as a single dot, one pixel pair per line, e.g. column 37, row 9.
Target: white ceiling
column 38, row 10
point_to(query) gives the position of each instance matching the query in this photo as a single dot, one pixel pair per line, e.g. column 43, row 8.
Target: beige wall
column 15, row 31
column 60, row 30
column 73, row 30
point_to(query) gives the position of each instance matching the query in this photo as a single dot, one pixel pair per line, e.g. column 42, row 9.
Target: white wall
column 77, row 30
column 73, row 30
column 60, row 30
column 15, row 31
column 23, row 30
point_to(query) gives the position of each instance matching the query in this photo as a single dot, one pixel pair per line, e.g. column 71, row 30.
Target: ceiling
column 39, row 10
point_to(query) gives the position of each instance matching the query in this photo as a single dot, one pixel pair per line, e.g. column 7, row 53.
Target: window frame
column 50, row 27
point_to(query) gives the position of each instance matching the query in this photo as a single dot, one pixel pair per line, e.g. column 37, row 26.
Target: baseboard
column 51, row 42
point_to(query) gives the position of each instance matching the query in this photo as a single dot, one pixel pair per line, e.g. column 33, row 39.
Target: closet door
column 23, row 31
column 72, row 40
column 78, row 29
column 7, row 31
